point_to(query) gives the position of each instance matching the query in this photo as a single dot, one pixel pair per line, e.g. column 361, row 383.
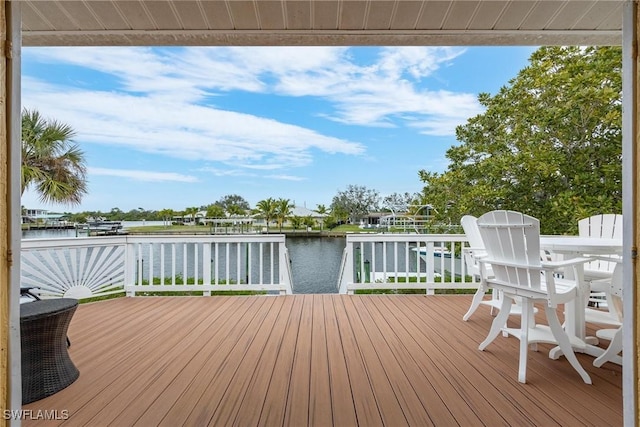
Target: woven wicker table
column 46, row 365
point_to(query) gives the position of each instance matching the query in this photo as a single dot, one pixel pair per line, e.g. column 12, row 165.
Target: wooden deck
column 316, row 360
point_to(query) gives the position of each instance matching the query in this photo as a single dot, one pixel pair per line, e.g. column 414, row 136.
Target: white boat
column 103, row 227
column 441, row 259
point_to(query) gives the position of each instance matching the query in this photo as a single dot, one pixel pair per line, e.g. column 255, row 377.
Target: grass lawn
column 170, row 229
column 206, row 229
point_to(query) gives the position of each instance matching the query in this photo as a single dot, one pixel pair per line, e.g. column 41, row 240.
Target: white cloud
column 138, row 175
column 287, row 177
column 225, row 172
column 181, row 130
column 374, row 91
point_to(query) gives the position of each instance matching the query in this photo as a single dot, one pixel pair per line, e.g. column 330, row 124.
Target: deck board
column 367, row 412
column 315, row 360
column 275, row 398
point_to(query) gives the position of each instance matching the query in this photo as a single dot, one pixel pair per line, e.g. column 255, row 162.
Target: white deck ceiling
column 321, row 22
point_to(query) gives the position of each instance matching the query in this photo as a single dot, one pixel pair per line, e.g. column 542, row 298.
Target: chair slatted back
column 470, row 226
column 512, row 242
column 606, row 226
column 476, row 246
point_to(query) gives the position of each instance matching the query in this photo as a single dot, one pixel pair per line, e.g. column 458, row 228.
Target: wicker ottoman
column 46, row 366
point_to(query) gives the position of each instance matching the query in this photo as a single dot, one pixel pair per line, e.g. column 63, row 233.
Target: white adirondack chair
column 613, row 335
column 605, row 226
column 512, row 242
column 471, row 254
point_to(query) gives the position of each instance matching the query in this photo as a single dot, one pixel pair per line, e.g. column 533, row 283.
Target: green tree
column 233, row 204
column 215, row 211
column 115, row 214
column 236, row 210
column 296, row 222
column 167, row 215
column 322, row 210
column 548, row 144
column 308, row 221
column 397, row 202
column 283, row 210
column 192, row 211
column 354, row 203
column 267, row 209
column 51, row 162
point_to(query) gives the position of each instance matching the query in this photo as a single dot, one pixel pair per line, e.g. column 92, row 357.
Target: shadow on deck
column 315, row 360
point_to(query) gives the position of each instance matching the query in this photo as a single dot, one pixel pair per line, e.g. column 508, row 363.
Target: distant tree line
column 348, row 206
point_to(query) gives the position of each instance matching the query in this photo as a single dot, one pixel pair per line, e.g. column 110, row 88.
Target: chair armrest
column 543, row 265
column 475, row 252
column 565, row 263
column 611, row 258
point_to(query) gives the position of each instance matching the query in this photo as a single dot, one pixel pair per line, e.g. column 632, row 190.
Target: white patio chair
column 613, row 335
column 471, row 254
column 605, row 226
column 512, row 243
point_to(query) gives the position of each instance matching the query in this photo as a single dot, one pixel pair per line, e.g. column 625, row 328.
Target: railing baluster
column 185, row 256
column 249, row 278
column 195, row 263
column 173, row 264
column 273, row 266
column 238, row 264
column 384, row 262
column 206, row 266
column 139, row 262
column 261, row 255
column 162, row 260
column 150, row 279
column 227, row 267
column 216, row 270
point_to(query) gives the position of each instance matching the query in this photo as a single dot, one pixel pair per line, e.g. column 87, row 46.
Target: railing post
column 348, row 272
column 129, row 268
column 286, row 286
column 430, row 269
column 206, row 267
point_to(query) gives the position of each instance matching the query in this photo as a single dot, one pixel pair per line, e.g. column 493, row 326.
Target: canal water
column 315, row 261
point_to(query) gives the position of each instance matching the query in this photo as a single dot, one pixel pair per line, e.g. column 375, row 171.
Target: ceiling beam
column 320, row 38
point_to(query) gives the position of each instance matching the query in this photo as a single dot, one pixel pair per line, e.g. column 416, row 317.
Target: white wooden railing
column 95, row 266
column 404, row 261
column 73, row 267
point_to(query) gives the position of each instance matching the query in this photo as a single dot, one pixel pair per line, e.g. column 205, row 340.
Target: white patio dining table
column 571, row 247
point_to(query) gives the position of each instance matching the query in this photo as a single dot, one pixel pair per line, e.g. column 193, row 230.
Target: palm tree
column 283, row 210
column 192, row 211
column 267, row 209
column 309, row 221
column 166, row 214
column 51, row 161
column 322, row 210
column 296, row 222
column 236, row 210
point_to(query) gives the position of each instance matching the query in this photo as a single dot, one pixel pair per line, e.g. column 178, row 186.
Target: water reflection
column 315, row 263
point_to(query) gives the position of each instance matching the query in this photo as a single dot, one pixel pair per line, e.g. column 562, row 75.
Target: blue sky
column 180, row 127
